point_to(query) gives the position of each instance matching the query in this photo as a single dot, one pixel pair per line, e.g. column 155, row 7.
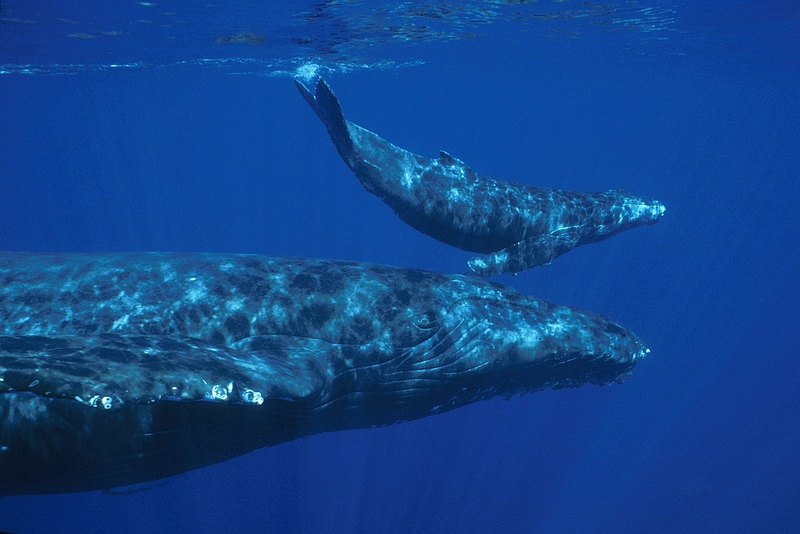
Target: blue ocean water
column 176, row 126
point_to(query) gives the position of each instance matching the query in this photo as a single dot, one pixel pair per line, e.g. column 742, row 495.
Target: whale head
column 462, row 339
column 617, row 210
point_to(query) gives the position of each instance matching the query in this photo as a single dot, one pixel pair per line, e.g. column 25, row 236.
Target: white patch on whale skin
column 454, row 195
column 196, row 291
column 384, row 343
column 527, row 336
column 453, row 172
column 555, row 328
column 168, row 273
column 278, row 314
column 353, row 305
column 412, row 171
column 235, row 304
column 69, row 286
column 34, row 330
column 121, row 322
column 131, row 303
column 409, row 179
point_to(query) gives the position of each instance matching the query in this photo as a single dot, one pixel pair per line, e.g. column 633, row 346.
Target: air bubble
column 99, row 401
column 307, row 72
column 253, row 397
column 219, row 392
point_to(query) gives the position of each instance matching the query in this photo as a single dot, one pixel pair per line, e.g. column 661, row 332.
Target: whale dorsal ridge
column 447, row 159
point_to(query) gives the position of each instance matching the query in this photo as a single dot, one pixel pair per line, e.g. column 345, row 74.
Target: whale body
column 515, row 226
column 117, row 369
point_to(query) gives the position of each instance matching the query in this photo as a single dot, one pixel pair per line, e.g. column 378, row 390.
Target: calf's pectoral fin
column 531, row 252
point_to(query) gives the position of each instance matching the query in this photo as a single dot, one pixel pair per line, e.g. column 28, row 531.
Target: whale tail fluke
column 326, row 106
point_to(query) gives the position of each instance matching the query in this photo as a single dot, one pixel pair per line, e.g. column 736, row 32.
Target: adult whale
column 517, row 226
column 122, row 368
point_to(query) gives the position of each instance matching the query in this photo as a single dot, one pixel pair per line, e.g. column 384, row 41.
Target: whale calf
column 516, row 226
column 117, row 369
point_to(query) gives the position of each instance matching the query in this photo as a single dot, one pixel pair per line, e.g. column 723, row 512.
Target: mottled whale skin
column 122, row 368
column 517, row 226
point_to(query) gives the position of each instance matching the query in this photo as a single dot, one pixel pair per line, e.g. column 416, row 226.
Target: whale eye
column 425, row 321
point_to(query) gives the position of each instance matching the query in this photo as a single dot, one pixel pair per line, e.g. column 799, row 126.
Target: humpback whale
column 515, row 226
column 123, row 368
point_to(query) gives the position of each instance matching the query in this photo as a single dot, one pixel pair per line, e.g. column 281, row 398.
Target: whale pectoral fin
column 110, row 370
column 531, row 252
column 297, row 365
column 327, row 107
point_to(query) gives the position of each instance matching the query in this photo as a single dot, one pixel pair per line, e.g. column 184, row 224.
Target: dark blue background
column 704, row 436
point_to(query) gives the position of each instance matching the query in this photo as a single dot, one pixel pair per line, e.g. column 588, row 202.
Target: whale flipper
column 156, row 367
column 531, row 252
